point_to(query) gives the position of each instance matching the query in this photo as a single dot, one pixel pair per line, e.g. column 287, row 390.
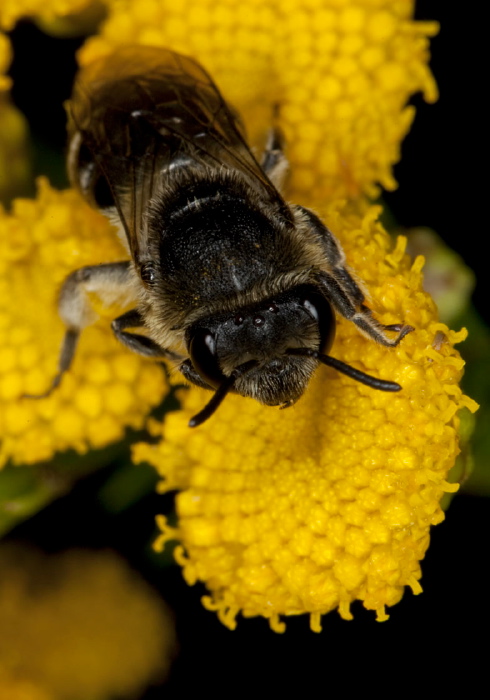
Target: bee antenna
column 219, row 395
column 356, row 374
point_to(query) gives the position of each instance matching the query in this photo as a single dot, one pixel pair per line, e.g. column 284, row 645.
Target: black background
column 432, row 640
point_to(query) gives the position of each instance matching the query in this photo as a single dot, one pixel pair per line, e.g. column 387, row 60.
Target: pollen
column 332, row 500
column 350, row 65
column 108, row 389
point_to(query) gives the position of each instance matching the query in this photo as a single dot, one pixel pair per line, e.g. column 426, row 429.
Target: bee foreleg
column 192, row 376
column 274, row 163
column 359, row 314
column 141, row 344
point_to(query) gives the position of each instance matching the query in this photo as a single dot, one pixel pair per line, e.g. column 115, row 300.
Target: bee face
column 228, row 282
column 262, row 334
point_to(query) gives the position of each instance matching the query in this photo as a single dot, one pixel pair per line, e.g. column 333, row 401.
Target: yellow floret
column 108, row 388
column 332, row 500
column 78, row 625
column 340, row 75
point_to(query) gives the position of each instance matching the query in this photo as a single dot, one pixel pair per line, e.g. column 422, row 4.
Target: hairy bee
column 228, row 281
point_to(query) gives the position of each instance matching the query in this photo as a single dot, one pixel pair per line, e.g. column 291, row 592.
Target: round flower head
column 108, row 388
column 337, row 74
column 308, row 509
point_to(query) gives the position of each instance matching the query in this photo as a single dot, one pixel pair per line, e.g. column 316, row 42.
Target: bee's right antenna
column 219, row 395
column 373, row 382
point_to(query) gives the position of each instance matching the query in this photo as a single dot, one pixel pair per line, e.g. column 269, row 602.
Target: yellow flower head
column 339, row 71
column 108, row 388
column 78, row 625
column 306, row 510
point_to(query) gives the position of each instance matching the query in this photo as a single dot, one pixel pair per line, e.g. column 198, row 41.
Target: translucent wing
column 140, row 113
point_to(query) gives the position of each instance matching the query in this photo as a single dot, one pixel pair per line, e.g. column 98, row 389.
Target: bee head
column 248, row 352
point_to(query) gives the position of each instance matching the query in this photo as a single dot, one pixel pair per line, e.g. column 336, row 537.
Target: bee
column 227, row 281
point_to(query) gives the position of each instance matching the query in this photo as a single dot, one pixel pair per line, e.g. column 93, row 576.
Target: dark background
column 431, row 639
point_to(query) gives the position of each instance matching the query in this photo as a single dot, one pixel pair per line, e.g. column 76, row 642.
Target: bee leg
column 192, row 376
column 342, row 290
column 274, row 163
column 111, row 282
column 140, row 344
column 359, row 314
column 67, row 353
column 334, row 255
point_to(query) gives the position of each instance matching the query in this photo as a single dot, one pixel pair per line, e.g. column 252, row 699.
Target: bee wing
column 144, row 111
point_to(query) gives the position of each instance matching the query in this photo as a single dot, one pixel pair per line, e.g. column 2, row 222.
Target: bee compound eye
column 320, row 310
column 148, row 273
column 202, row 351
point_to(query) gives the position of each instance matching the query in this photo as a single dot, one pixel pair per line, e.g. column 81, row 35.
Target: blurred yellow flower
column 15, row 169
column 78, row 625
column 14, row 163
column 5, row 59
column 50, row 11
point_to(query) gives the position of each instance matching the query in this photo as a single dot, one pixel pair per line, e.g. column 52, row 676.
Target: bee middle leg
column 111, row 282
column 274, row 163
column 141, row 344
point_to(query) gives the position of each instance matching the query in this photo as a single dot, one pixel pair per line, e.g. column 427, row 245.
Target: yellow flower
column 108, row 389
column 78, row 625
column 309, row 509
column 340, row 71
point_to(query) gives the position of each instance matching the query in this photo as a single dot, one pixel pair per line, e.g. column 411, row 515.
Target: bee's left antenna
column 362, row 377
